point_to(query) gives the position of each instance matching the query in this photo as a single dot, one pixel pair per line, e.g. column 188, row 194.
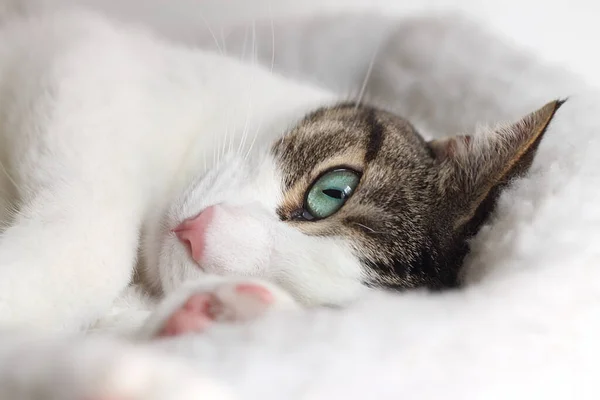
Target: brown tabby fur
column 417, row 203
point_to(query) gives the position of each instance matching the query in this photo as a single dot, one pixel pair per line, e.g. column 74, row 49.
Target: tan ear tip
column 548, row 111
column 554, row 105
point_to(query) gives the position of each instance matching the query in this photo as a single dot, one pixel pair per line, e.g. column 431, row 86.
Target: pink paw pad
column 259, row 292
column 241, row 302
column 195, row 315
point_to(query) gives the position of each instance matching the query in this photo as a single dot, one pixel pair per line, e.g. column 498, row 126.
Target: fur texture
column 507, row 308
column 136, row 183
column 527, row 325
column 111, row 201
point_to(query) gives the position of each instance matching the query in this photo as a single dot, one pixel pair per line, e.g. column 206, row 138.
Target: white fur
column 51, row 368
column 104, row 126
column 246, row 238
column 526, row 328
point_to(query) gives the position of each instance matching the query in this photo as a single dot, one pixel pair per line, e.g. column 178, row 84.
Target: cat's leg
column 69, row 252
column 198, row 305
column 96, row 369
column 70, row 147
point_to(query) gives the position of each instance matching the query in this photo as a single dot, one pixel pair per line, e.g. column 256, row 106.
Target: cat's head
column 349, row 199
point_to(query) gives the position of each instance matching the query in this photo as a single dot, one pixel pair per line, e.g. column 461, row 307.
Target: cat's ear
column 473, row 169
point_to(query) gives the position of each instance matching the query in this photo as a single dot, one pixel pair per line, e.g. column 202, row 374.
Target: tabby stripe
column 376, row 132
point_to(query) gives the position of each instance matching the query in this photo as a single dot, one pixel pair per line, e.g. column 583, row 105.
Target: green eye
column 329, row 193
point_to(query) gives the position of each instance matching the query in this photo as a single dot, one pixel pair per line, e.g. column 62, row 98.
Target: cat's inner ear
column 473, row 169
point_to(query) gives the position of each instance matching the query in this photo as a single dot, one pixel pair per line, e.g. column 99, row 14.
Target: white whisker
column 363, row 87
column 223, row 150
column 184, row 160
column 231, row 141
column 253, row 140
column 222, row 145
column 228, row 139
column 272, row 38
column 214, row 159
column 251, row 86
column 254, row 44
column 223, row 41
column 212, row 34
column 244, row 131
column 244, row 44
column 368, row 228
column 10, row 179
column 255, row 51
column 10, row 211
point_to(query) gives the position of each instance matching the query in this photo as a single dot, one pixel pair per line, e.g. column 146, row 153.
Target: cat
column 223, row 189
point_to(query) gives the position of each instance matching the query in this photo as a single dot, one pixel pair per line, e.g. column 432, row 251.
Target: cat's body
column 177, row 126
column 121, row 149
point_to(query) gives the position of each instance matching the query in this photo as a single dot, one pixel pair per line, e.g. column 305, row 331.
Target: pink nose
column 192, row 232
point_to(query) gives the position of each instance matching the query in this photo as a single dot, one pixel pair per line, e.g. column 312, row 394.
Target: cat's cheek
column 238, row 242
column 175, row 266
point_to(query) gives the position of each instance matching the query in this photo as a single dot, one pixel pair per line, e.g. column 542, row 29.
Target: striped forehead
column 346, row 134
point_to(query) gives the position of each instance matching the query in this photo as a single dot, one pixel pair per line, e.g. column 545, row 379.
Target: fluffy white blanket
column 527, row 324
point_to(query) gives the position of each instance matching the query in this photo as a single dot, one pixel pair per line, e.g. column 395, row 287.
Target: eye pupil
column 336, row 194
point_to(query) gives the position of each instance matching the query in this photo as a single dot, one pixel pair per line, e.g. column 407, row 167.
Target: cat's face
column 351, row 198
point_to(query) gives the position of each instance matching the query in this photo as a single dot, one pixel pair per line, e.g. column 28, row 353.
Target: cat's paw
column 216, row 301
column 105, row 370
column 228, row 302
